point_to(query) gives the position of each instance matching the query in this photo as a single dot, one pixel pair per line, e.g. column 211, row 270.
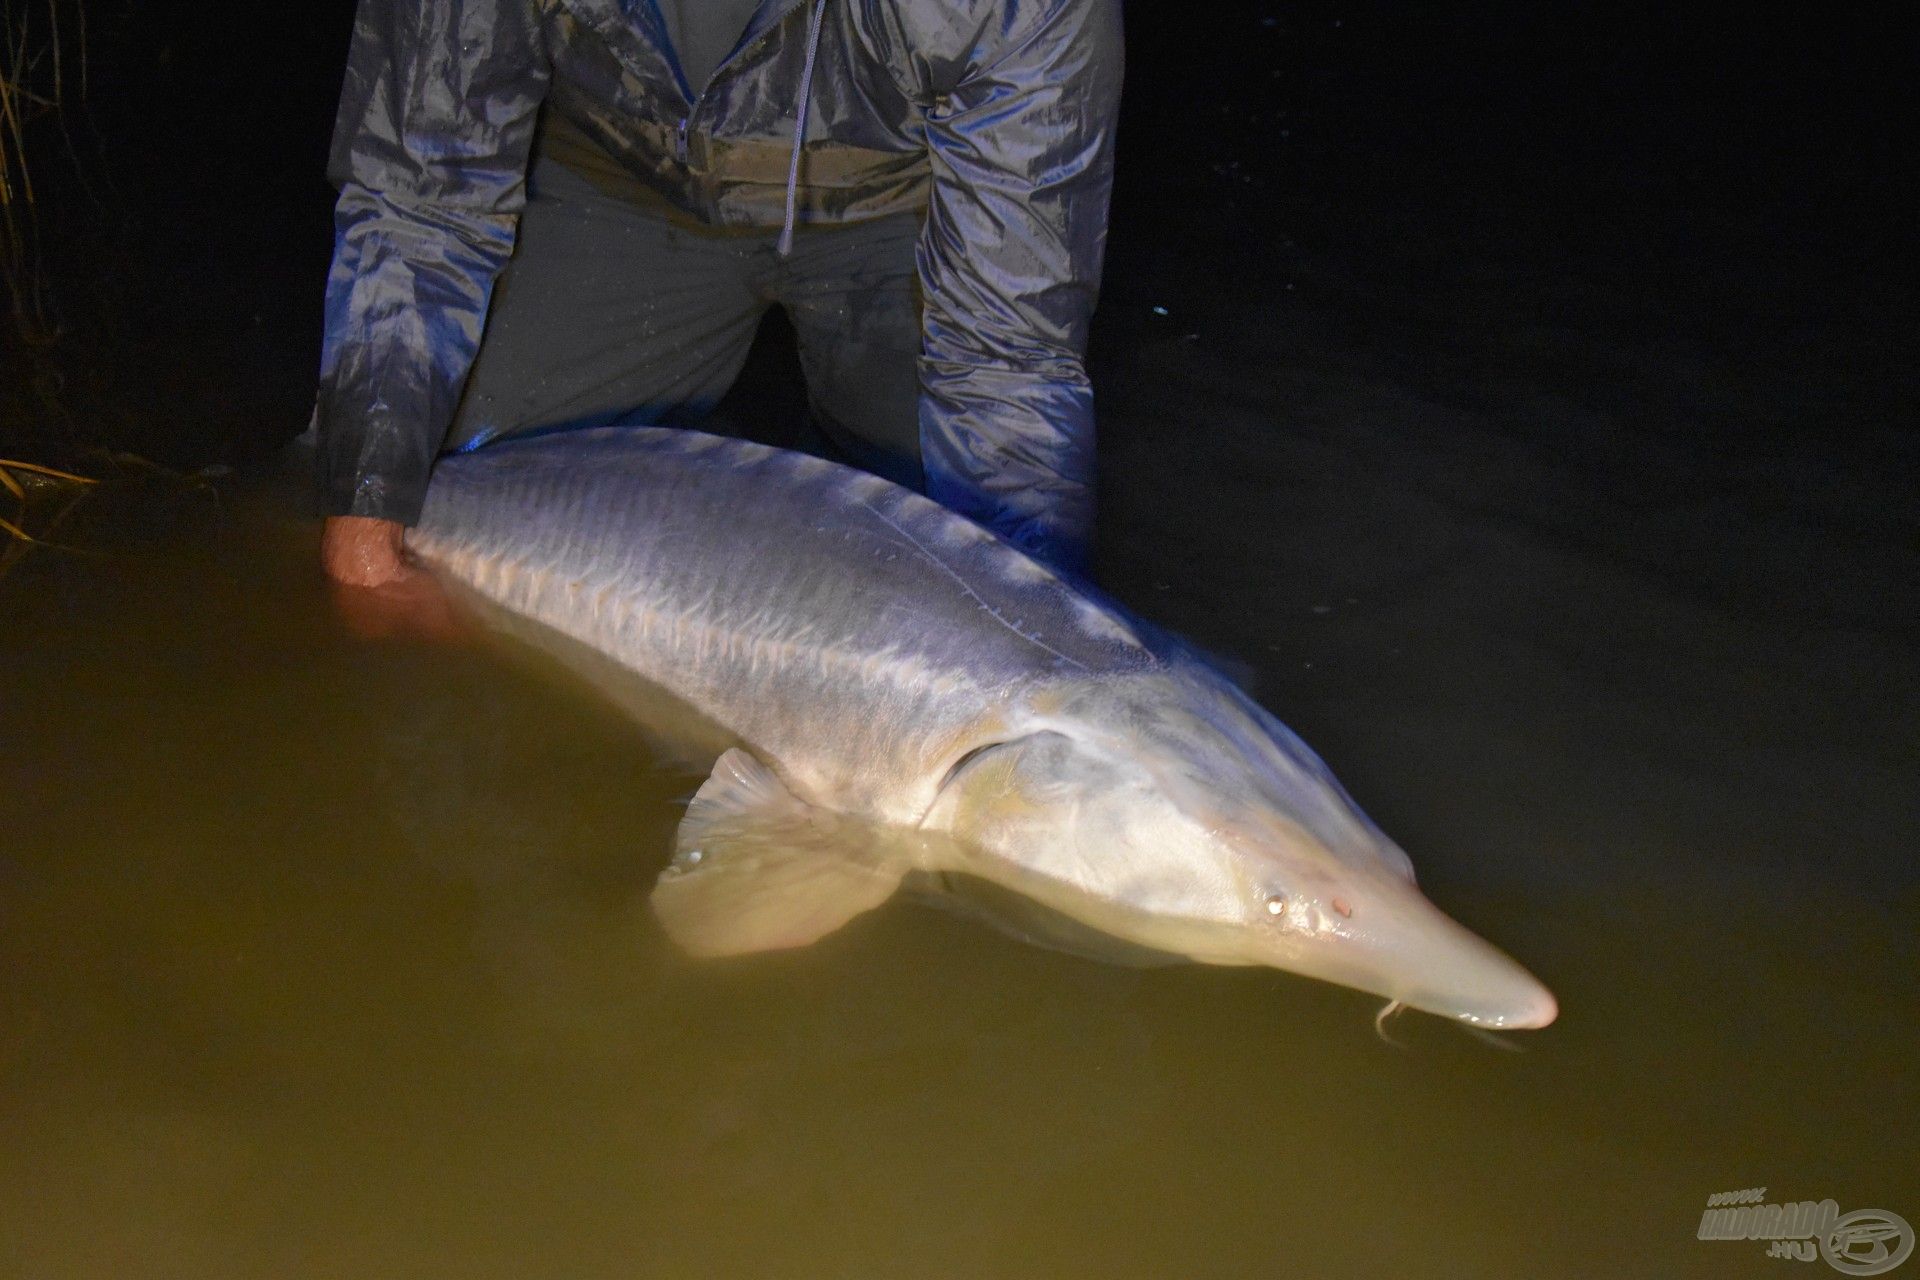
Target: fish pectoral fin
column 757, row 869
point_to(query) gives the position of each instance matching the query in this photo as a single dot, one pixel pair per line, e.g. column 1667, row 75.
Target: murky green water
column 330, row 958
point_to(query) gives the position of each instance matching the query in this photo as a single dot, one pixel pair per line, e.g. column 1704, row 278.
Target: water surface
column 325, row 957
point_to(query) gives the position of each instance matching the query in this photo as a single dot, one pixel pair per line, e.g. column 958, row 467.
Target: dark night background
column 1363, row 180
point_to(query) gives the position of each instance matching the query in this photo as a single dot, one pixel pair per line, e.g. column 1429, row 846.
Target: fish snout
column 1436, row 964
column 1382, row 935
column 1541, row 1011
column 1516, row 1001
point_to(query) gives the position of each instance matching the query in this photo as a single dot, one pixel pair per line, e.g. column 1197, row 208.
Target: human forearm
column 430, row 151
column 1014, row 450
column 1022, row 154
column 406, row 299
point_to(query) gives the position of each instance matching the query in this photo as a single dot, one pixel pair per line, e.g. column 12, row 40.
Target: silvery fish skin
column 902, row 691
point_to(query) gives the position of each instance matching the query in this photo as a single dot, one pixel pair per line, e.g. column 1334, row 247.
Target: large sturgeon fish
column 893, row 690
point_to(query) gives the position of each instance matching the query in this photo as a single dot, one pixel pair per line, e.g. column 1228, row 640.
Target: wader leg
column 853, row 295
column 608, row 313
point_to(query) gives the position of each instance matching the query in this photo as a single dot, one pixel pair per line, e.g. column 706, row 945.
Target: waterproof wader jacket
column 994, row 116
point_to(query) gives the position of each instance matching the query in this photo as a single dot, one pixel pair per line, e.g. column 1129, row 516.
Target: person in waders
column 560, row 213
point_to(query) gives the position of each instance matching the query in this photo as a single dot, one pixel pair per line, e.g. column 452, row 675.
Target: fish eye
column 1276, row 903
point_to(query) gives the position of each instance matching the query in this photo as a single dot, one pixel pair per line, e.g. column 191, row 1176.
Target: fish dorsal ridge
column 935, row 559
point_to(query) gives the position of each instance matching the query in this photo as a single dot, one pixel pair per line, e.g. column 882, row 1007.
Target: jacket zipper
column 680, row 147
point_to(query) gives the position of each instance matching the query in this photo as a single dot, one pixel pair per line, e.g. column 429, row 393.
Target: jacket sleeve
column 430, row 151
column 1022, row 157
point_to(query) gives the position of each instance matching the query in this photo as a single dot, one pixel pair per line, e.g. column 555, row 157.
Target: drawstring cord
column 800, row 126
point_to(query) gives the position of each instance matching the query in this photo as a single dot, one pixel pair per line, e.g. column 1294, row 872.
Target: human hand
column 378, row 589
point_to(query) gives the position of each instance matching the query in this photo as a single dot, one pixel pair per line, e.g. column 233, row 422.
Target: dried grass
column 43, row 498
column 43, row 78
